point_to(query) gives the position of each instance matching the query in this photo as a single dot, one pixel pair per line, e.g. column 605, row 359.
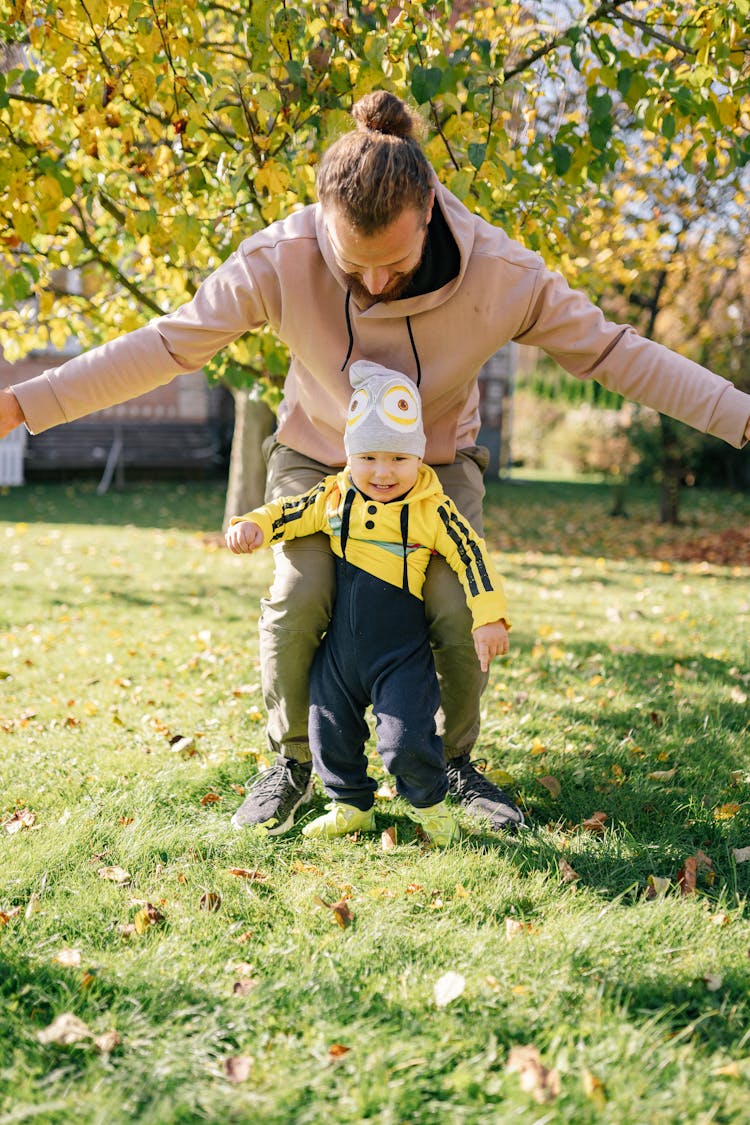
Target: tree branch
column 135, row 290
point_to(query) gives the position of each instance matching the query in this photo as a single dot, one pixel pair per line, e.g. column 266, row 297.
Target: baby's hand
column 244, row 537
column 489, row 641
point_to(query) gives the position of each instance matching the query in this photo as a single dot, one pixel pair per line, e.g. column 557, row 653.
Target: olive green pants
column 296, row 612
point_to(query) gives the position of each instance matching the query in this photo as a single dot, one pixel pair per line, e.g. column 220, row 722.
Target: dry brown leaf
column 687, row 876
column 210, row 799
column 107, row 1042
column 210, row 901
column 147, row 917
column 64, row 1031
column 300, row 868
column 115, row 875
column 342, row 915
column 388, row 840
column 593, row 1088
column 244, row 985
column 552, row 784
column 252, row 876
column 657, row 886
column 514, row 928
column 536, row 1079
column 238, row 1068
column 337, row 1051
column 21, row 818
column 567, row 874
column 595, row 823
column 662, row 775
column 727, row 812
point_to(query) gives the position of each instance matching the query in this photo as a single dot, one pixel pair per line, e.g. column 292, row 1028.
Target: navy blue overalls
column 376, row 651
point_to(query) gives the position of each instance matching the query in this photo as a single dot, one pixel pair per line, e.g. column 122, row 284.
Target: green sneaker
column 340, row 821
column 439, row 824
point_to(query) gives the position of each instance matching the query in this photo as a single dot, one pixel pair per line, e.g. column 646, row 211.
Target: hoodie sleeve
column 292, row 517
column 230, row 302
column 467, row 554
column 570, row 328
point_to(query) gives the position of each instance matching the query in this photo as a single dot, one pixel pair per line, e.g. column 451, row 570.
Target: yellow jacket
column 375, row 535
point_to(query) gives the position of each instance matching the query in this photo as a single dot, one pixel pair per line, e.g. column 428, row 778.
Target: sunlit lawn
column 611, row 937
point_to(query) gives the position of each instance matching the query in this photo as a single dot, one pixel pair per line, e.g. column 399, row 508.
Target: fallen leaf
column 538, row 747
column 147, row 917
column 115, row 875
column 107, row 1042
column 593, row 1088
column 448, row 988
column 210, row 901
column 238, row 1068
column 337, row 1051
column 64, row 1031
column 244, row 985
column 687, row 876
column 567, row 874
column 340, row 910
column 298, row 867
column 210, row 799
column 721, row 919
column 388, row 839
column 662, row 775
column 741, row 855
column 254, row 876
column 413, row 888
column 657, row 886
column 536, row 1079
column 726, row 812
column 21, row 818
column 33, row 906
column 731, row 1070
column 552, row 784
column 514, row 928
column 713, row 981
column 595, row 823
column 70, row 958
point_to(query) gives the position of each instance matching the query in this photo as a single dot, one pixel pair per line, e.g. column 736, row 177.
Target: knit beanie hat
column 385, row 412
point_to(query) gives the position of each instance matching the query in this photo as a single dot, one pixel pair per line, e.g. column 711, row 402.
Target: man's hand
column 243, row 538
column 11, row 414
column 490, row 641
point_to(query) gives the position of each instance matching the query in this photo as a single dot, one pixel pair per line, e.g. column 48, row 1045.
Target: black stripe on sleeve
column 293, row 509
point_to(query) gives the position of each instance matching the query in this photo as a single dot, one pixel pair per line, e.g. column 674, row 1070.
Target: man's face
column 379, row 266
column 384, row 476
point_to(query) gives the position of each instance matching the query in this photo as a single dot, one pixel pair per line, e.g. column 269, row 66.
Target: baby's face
column 384, row 476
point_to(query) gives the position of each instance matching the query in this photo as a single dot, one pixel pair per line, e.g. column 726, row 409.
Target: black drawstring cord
column 345, row 518
column 350, row 334
column 414, row 349
column 348, row 327
column 405, row 542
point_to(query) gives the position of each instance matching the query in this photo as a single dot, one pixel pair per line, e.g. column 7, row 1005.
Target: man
column 388, row 266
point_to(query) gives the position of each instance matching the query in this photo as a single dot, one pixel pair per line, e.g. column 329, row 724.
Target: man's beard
column 392, row 292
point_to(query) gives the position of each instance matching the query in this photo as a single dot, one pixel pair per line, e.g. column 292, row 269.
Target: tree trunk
column 253, row 422
column 671, row 472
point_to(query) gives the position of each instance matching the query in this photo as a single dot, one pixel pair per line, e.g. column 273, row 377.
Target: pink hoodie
column 286, row 276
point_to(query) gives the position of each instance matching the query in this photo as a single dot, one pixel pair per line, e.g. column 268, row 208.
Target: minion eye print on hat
column 385, row 412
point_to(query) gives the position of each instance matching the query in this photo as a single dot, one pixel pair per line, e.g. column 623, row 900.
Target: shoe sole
column 279, row 829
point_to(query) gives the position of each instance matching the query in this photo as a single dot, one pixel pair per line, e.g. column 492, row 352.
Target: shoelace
column 274, row 781
column 470, row 780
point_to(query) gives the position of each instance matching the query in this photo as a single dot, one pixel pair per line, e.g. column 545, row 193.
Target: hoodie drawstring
column 405, row 541
column 350, row 335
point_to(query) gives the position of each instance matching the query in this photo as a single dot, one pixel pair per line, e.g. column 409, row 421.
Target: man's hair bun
column 381, row 112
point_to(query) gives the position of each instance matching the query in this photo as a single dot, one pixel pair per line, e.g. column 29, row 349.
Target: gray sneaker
column 275, row 796
column 481, row 799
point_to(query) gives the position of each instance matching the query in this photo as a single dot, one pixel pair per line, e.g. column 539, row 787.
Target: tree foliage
column 140, row 142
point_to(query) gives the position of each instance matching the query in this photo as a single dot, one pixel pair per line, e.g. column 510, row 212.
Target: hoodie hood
column 461, row 225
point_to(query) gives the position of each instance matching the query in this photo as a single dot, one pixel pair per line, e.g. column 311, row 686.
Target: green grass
column 124, row 627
